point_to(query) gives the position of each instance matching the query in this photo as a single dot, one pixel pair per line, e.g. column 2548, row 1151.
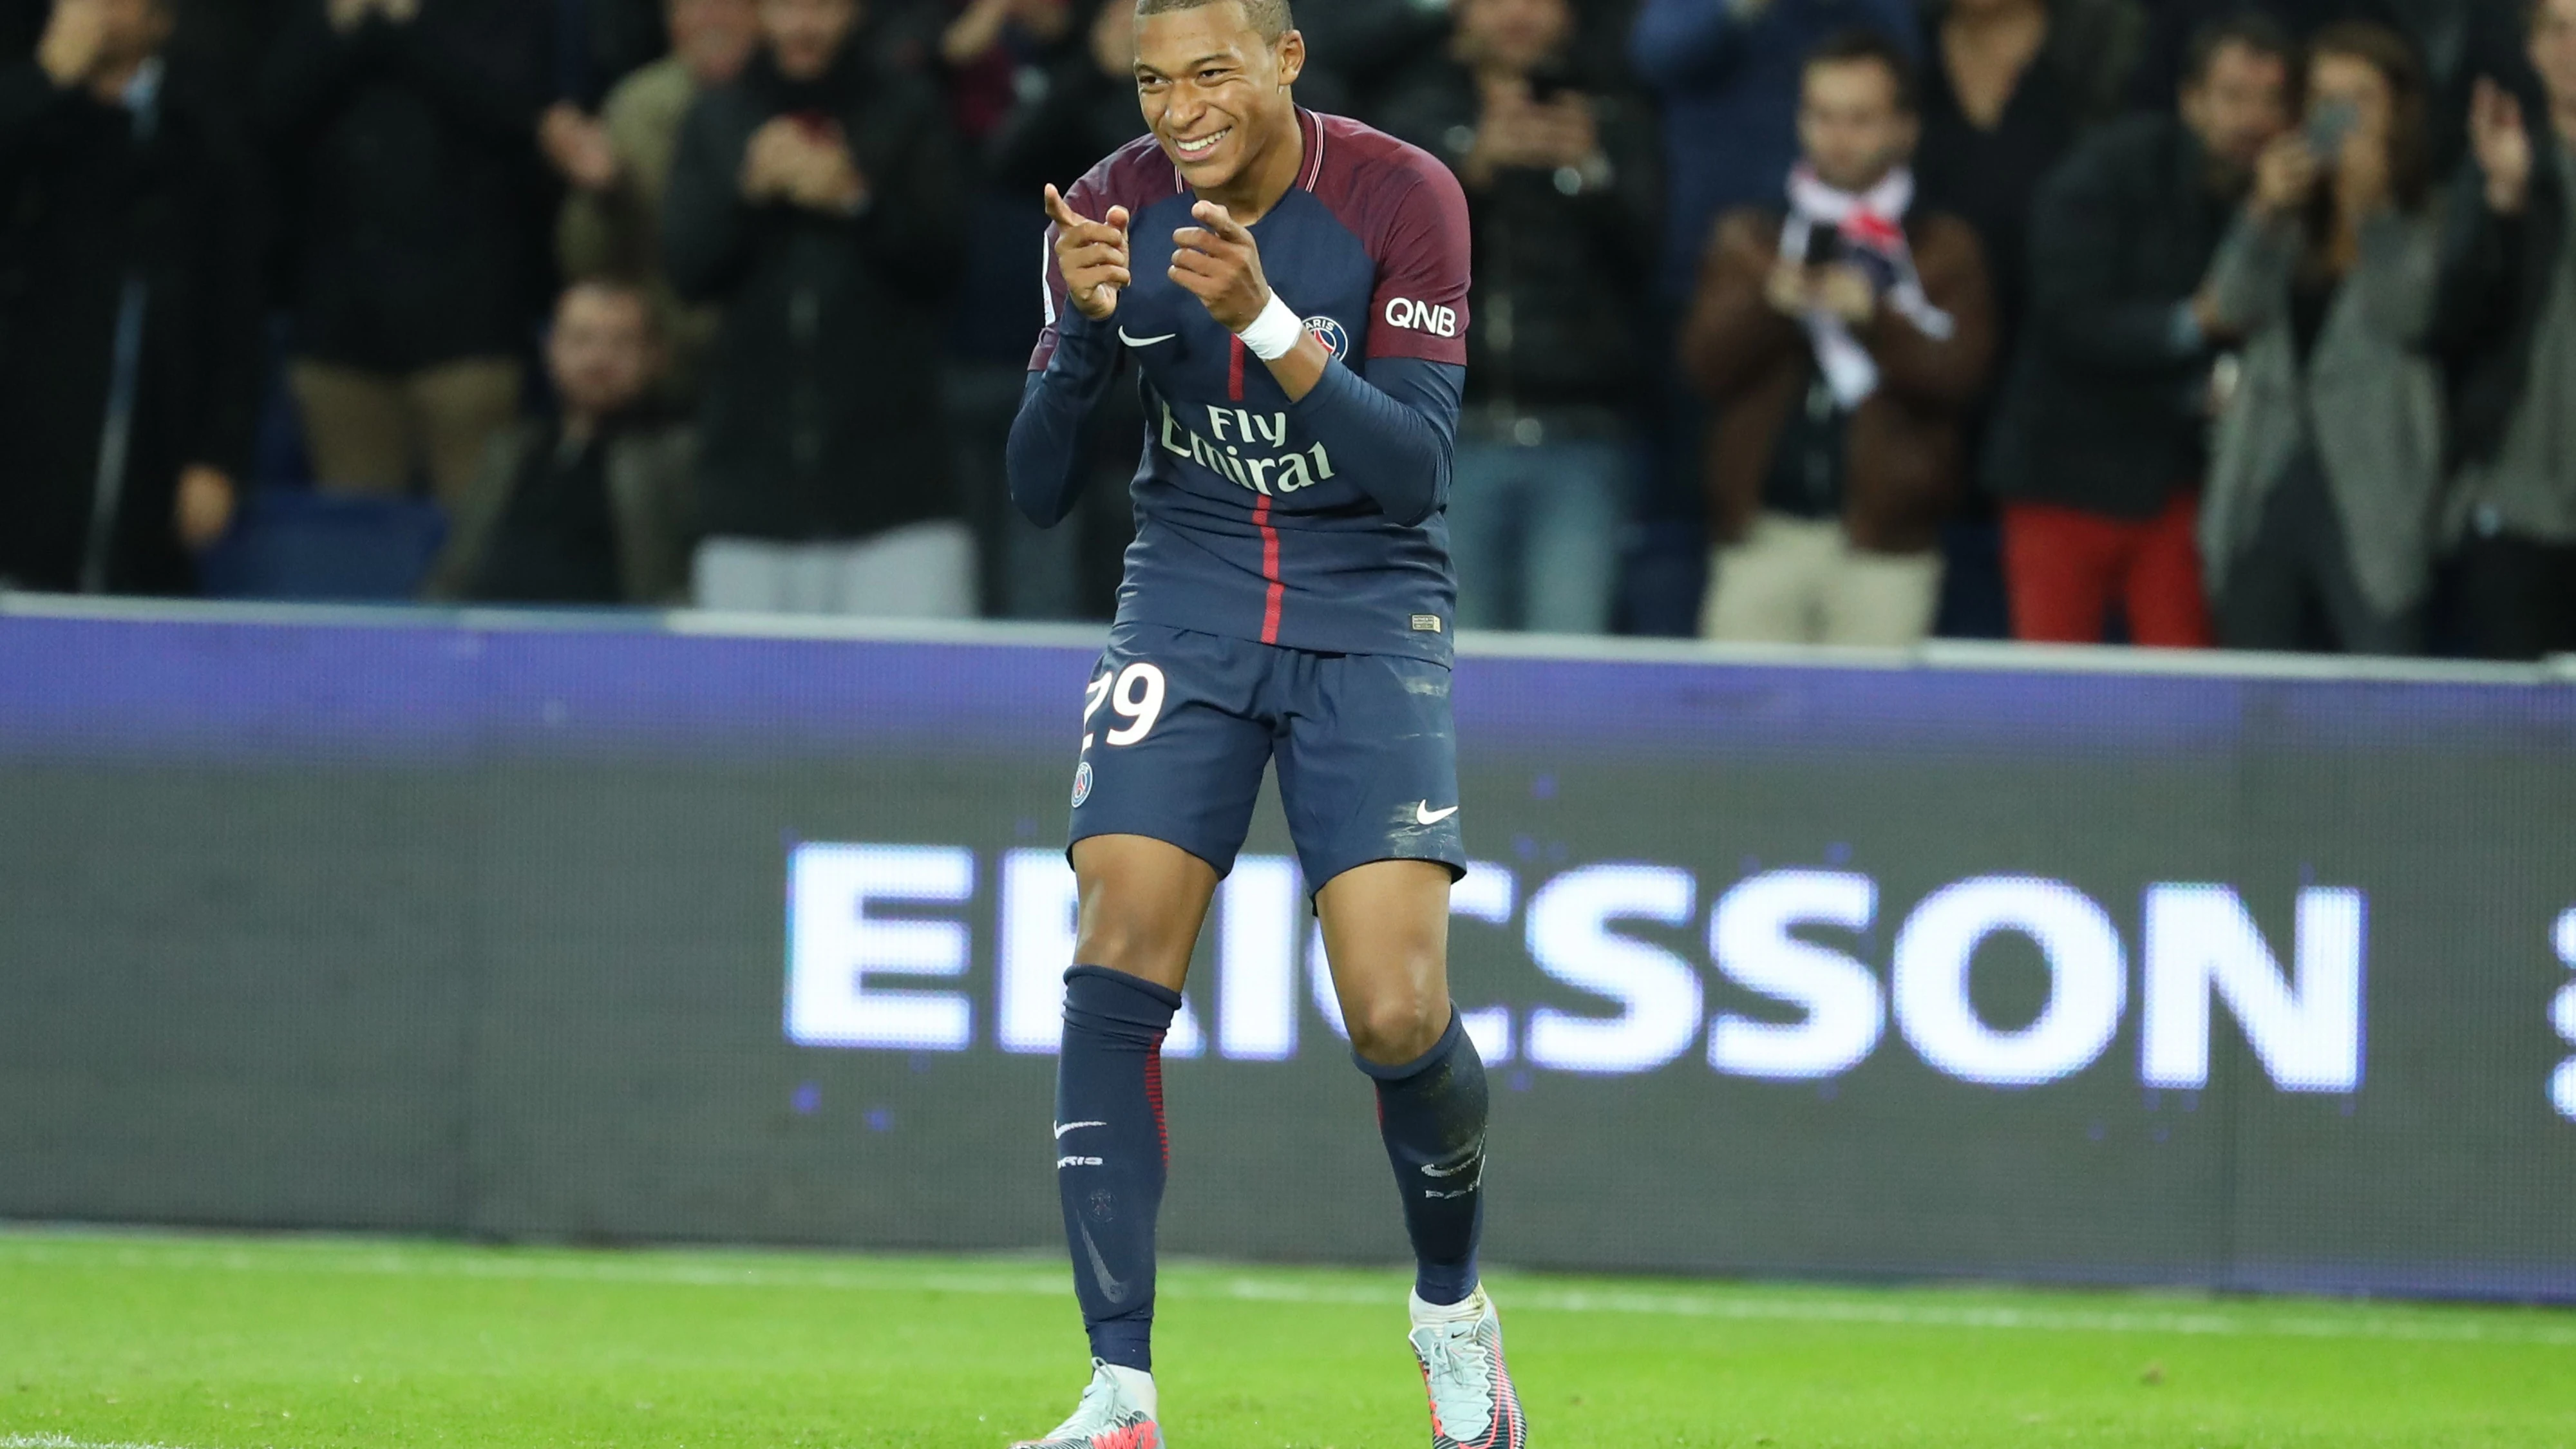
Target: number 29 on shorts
column 1134, row 694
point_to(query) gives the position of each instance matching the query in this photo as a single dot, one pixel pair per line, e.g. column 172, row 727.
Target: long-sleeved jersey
column 1316, row 524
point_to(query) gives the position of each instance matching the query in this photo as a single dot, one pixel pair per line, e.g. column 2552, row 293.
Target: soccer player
column 1292, row 289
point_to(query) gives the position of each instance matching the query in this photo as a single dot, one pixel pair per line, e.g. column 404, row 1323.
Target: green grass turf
column 205, row 1342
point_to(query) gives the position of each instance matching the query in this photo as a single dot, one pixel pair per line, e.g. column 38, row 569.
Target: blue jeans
column 1535, row 534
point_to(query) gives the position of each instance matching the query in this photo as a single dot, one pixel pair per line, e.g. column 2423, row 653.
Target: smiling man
column 1292, row 289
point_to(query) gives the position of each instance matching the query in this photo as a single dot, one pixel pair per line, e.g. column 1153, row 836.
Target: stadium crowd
column 2182, row 322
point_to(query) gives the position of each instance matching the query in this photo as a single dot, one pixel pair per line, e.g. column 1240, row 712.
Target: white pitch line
column 58, row 1441
column 2463, row 1326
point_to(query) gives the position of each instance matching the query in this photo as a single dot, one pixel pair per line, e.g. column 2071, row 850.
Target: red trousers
column 2064, row 567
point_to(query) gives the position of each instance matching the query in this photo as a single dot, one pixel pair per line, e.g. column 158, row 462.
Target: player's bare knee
column 1397, row 1027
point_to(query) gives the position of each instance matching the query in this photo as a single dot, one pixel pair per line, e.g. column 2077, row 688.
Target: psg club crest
column 1325, row 330
column 1081, row 782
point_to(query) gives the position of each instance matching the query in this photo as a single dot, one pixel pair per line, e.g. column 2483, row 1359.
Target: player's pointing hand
column 1218, row 262
column 1091, row 254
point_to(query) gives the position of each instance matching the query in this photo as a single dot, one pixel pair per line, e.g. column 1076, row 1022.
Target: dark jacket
column 821, row 415
column 87, row 209
column 651, row 504
column 1562, row 261
column 2106, row 410
column 2496, row 275
column 411, row 182
column 2075, row 84
column 1903, row 455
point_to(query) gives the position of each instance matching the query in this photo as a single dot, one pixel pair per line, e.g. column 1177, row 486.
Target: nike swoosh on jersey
column 1062, row 1128
column 1144, row 341
column 1423, row 814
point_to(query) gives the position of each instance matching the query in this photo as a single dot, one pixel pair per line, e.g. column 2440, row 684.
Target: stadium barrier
column 2075, row 965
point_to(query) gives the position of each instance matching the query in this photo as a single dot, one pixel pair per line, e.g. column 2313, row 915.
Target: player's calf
column 1431, row 1112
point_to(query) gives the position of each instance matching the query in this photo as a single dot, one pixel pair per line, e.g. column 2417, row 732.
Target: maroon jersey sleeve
column 1422, row 246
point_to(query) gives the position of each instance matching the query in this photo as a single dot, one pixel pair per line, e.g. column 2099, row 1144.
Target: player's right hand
column 1091, row 254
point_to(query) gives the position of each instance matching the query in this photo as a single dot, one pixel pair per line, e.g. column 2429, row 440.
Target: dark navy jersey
column 1315, row 525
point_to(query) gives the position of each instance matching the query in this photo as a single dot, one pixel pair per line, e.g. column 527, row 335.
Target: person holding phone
column 1840, row 346
column 2319, row 524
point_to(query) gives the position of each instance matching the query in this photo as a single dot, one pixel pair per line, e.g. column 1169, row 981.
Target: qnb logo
column 2562, row 1015
column 1416, row 316
column 882, row 942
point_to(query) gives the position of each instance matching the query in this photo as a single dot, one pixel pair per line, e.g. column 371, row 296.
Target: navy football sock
column 1431, row 1110
column 1111, row 1153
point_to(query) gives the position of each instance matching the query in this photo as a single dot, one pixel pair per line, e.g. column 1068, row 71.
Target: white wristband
column 1273, row 334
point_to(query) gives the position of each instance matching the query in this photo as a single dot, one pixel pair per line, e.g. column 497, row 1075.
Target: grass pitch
column 207, row 1342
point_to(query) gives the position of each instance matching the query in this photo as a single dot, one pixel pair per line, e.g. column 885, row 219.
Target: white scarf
column 1873, row 232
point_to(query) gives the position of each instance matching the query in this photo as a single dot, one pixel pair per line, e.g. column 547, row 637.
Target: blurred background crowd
column 2175, row 322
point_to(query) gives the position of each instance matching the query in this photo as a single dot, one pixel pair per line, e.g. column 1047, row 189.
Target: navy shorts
column 1177, row 727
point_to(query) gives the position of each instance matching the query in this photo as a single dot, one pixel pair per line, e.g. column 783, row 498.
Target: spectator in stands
column 1081, row 107
column 818, row 200
column 2328, row 464
column 1841, row 346
column 1558, row 172
column 2009, row 87
column 1359, row 48
column 994, row 53
column 2507, row 322
column 618, row 166
column 408, row 128
column 1727, row 73
column 2456, row 41
column 1082, row 110
column 593, row 504
column 2101, row 442
column 130, row 313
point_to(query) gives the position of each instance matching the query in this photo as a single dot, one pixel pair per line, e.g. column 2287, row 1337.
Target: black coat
column 411, row 179
column 88, row 208
column 1560, row 279
column 821, row 418
column 2496, row 276
column 2107, row 409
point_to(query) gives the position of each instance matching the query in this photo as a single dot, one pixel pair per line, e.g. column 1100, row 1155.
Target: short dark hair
column 1270, row 18
column 1861, row 45
column 2248, row 30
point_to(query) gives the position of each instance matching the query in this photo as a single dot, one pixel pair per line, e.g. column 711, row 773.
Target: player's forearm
column 1045, row 458
column 1397, row 427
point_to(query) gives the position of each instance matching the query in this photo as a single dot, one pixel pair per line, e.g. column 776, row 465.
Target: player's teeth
column 1204, row 142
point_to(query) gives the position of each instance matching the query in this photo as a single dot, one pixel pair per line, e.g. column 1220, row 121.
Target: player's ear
column 1291, row 50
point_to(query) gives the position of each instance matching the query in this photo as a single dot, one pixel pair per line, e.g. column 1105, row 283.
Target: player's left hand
column 1218, row 262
